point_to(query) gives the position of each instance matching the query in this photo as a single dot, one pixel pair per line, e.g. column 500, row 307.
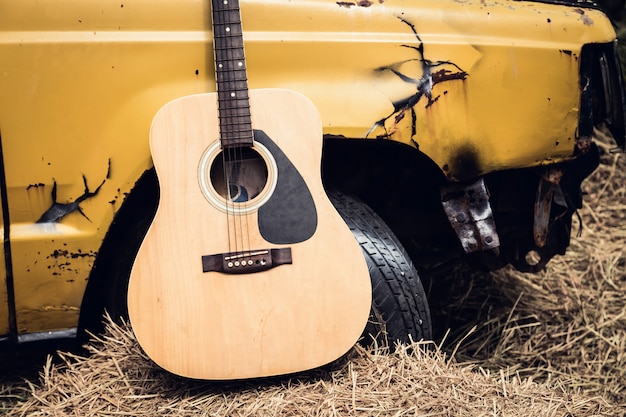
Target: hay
column 567, row 323
column 549, row 344
column 118, row 380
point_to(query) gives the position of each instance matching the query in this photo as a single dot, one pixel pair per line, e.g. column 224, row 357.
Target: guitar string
column 235, row 41
column 248, row 120
column 237, row 127
column 223, row 117
column 229, row 124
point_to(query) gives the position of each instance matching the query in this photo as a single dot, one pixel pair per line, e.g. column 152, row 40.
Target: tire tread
column 398, row 297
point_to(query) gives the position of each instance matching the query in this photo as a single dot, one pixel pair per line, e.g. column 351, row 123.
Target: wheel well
column 108, row 280
column 401, row 184
column 381, row 171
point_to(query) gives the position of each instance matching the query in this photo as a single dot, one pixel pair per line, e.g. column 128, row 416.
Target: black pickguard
column 289, row 216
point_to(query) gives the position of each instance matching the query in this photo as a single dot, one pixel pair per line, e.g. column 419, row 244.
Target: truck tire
column 400, row 311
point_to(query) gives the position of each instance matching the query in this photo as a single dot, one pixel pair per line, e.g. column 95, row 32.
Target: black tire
column 400, row 311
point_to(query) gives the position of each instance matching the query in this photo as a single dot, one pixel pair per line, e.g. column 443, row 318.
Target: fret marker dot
column 240, row 64
column 232, row 94
column 227, row 29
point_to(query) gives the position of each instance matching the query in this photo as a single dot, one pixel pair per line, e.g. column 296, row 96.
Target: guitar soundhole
column 237, row 180
column 238, row 175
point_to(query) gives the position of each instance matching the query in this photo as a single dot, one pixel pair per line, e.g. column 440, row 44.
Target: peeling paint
column 39, row 184
column 63, row 261
column 569, row 53
column 360, row 3
column 59, row 210
column 424, row 85
column 63, row 253
column 586, row 19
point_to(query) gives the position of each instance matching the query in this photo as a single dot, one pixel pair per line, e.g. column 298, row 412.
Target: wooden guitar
column 247, row 269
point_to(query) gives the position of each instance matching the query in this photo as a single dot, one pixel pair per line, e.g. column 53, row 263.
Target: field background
column 545, row 344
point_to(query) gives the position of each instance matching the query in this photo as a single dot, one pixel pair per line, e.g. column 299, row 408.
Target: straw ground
column 549, row 344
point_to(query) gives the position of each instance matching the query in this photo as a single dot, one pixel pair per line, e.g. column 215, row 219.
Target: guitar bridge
column 246, row 262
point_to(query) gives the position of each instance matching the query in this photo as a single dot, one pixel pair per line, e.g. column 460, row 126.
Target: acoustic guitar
column 247, row 269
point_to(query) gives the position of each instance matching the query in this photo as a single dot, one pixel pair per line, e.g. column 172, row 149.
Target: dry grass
column 549, row 344
column 567, row 323
column 117, row 379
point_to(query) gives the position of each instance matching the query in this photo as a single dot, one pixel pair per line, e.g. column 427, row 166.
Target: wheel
column 400, row 311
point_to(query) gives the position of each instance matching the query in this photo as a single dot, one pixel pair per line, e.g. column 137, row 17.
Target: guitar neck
column 231, row 75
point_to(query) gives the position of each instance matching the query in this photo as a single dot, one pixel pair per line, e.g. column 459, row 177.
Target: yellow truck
column 452, row 131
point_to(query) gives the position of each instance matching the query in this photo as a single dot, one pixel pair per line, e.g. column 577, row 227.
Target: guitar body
column 191, row 314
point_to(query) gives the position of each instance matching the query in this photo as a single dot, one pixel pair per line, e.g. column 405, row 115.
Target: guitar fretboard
column 231, row 75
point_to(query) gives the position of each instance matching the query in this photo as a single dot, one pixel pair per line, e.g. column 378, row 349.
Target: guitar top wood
column 215, row 325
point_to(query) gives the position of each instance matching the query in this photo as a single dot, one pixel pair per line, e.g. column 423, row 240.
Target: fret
column 236, row 74
column 231, row 75
column 238, row 132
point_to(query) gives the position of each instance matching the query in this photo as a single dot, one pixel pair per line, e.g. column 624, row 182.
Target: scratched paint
column 423, row 86
column 584, row 17
column 58, row 211
column 508, row 90
column 361, row 3
column 53, row 302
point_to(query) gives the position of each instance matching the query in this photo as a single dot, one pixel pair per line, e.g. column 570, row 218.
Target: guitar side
column 213, row 325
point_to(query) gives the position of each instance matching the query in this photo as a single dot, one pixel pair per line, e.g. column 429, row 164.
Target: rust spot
column 464, row 164
column 586, row 19
column 432, row 73
column 399, row 117
column 58, row 253
column 39, row 184
column 360, row 3
column 583, row 144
